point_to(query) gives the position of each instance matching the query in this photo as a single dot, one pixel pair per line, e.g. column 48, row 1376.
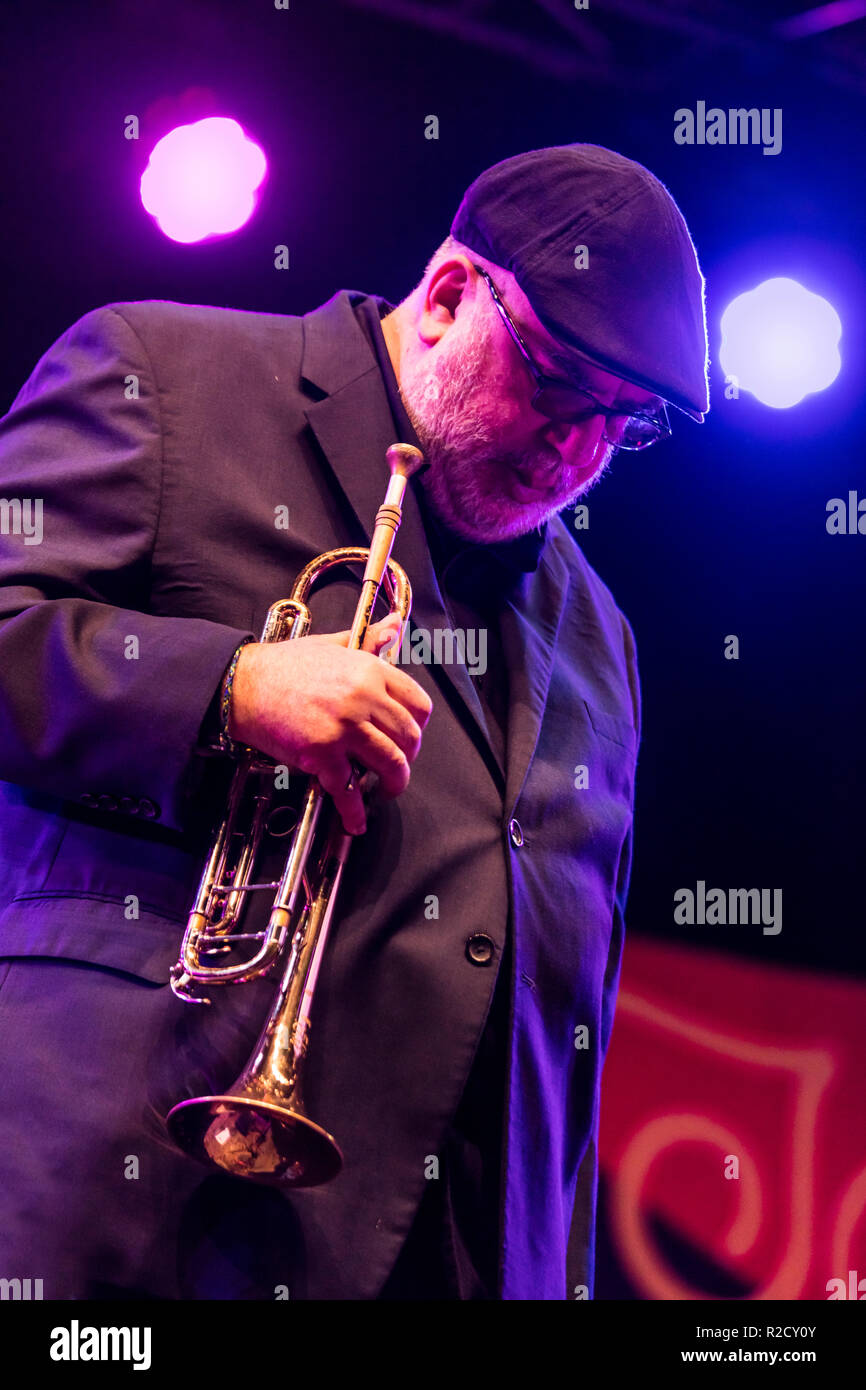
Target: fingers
column 382, row 754
column 394, row 720
column 380, row 637
column 409, row 694
column 352, row 705
column 386, row 743
column 334, row 774
column 376, row 751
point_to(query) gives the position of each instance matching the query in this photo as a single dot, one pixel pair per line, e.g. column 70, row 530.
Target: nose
column 576, row 440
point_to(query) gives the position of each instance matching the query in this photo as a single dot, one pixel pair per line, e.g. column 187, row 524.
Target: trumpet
column 259, row 1128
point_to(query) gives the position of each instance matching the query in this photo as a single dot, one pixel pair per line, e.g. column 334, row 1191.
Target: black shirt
column 458, row 1222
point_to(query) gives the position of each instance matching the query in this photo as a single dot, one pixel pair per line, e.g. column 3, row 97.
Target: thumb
column 382, row 634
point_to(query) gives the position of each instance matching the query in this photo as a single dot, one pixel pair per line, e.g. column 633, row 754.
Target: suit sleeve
column 98, row 695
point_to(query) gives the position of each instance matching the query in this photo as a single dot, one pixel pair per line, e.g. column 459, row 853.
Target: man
column 466, row 997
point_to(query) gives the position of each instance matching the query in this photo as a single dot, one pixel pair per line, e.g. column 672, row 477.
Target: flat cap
column 633, row 303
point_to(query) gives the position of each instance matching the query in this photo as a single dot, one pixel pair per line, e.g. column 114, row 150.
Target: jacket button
column 148, row 808
column 480, row 948
column 87, row 799
column 106, row 802
column 515, row 833
column 128, row 805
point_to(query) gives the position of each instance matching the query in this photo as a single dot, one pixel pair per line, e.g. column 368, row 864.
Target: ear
column 453, row 282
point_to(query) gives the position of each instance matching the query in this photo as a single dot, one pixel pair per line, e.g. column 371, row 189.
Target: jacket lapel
column 354, row 427
column 529, row 627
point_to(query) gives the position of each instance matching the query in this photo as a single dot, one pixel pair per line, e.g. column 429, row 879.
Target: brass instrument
column 259, row 1127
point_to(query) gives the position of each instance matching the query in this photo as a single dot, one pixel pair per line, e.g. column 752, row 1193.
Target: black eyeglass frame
column 547, row 385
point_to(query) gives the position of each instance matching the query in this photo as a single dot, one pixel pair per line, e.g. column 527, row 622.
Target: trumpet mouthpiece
column 404, row 459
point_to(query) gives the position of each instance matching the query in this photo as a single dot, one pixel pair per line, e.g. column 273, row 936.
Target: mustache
column 544, row 469
column 542, row 460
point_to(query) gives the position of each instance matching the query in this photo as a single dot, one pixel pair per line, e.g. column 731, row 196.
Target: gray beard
column 466, row 481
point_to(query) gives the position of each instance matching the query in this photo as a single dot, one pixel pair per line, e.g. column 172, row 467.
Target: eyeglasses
column 560, row 400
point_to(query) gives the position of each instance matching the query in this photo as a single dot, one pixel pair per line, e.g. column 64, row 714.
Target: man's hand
column 313, row 704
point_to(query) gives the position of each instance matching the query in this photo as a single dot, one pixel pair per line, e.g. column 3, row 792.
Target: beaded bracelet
column 226, row 743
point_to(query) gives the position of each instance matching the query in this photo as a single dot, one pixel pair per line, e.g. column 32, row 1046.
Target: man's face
column 498, row 468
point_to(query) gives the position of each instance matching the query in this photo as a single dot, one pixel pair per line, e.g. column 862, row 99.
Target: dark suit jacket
column 163, row 439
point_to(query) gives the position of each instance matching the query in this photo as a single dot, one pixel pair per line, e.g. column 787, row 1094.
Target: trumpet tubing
column 259, row 1127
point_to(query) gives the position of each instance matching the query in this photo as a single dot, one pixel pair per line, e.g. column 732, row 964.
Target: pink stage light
column 201, row 179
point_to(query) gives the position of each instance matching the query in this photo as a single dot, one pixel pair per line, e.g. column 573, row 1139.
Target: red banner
column 734, row 1119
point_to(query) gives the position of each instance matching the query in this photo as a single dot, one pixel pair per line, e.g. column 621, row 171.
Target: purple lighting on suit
column 780, row 342
column 201, row 179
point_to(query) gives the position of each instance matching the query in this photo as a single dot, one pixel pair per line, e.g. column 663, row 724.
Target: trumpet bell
column 253, row 1138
